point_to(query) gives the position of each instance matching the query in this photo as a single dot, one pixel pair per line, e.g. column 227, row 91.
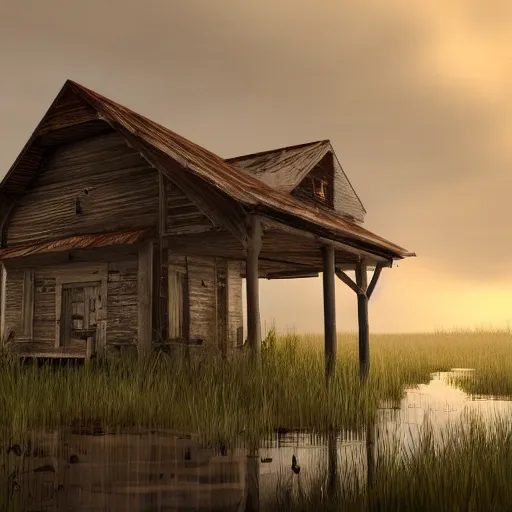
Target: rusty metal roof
column 283, row 168
column 254, row 195
column 76, row 242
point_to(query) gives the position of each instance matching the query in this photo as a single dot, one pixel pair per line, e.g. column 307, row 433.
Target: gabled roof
column 163, row 148
column 283, row 168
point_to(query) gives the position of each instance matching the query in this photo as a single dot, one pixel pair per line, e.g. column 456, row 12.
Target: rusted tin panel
column 282, row 169
column 75, row 242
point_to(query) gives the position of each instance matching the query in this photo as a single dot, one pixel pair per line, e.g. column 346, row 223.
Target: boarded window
column 177, row 303
column 27, row 305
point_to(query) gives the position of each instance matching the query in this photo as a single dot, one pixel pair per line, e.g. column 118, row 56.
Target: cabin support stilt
column 362, row 315
column 253, row 293
column 329, row 310
column 145, row 296
column 364, row 292
column 3, row 296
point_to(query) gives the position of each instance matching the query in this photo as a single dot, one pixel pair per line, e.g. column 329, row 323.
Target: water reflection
column 157, row 471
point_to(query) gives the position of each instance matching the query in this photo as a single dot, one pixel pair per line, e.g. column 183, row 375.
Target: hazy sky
column 415, row 97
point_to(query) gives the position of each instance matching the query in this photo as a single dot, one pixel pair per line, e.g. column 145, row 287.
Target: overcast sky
column 415, row 97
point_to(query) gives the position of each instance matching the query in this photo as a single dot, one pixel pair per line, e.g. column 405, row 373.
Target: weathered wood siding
column 341, row 196
column 122, row 302
column 202, row 295
column 346, row 200
column 121, row 293
column 44, row 308
column 183, row 216
column 235, row 309
column 116, row 188
column 14, row 299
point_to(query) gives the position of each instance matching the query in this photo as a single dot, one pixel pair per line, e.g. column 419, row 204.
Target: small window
column 177, row 303
column 320, row 189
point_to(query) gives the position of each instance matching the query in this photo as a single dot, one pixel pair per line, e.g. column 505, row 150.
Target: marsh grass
column 221, row 400
column 467, row 468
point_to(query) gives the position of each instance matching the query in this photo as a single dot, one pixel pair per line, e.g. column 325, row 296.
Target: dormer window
column 320, row 189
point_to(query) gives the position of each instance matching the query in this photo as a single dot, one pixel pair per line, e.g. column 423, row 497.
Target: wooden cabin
column 117, row 232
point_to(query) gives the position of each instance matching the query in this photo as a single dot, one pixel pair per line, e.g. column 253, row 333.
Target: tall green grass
column 222, row 399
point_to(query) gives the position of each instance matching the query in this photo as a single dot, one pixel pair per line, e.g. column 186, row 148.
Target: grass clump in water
column 467, row 468
column 219, row 399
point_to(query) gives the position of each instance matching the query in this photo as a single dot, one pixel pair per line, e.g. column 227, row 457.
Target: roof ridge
column 267, row 151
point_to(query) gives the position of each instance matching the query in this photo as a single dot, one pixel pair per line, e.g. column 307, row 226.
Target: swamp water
column 158, row 471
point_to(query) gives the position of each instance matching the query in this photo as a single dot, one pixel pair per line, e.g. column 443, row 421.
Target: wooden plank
column 362, row 313
column 162, row 204
column 292, row 274
column 234, row 290
column 58, row 313
column 27, row 307
column 343, row 277
column 222, row 306
column 373, row 282
column 254, row 245
column 145, row 298
column 157, row 276
column 329, row 311
column 89, row 349
column 3, row 297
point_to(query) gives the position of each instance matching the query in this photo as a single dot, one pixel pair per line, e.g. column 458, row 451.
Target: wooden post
column 329, row 310
column 253, row 292
column 145, row 298
column 3, row 296
column 362, row 314
column 89, row 349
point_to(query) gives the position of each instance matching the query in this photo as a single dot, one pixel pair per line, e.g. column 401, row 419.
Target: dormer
column 317, row 186
column 310, row 172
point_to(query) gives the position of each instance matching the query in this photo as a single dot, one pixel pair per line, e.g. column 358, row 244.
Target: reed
column 221, row 399
column 467, row 468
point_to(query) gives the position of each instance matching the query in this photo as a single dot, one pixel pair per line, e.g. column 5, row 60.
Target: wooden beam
column 157, row 285
column 145, row 298
column 373, row 282
column 292, row 274
column 162, row 204
column 358, row 253
column 343, row 277
column 362, row 313
column 3, row 295
column 252, row 282
column 329, row 310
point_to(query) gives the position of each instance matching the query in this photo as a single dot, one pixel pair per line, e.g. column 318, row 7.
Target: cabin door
column 222, row 306
column 79, row 307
